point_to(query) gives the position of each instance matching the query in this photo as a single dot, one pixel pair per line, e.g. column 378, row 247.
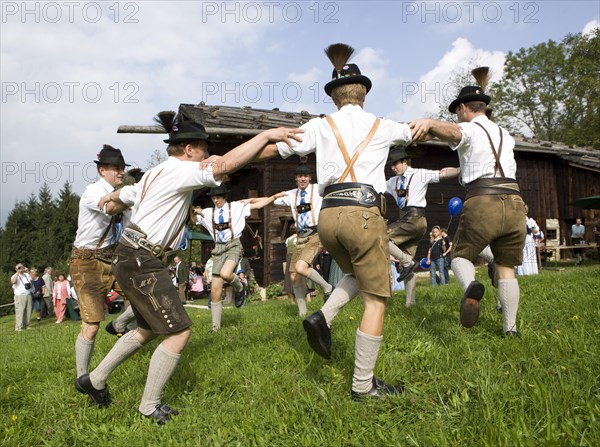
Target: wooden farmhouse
column 551, row 177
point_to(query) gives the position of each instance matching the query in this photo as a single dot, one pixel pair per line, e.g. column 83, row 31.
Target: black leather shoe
column 512, row 334
column 318, row 334
column 160, row 414
column 403, row 274
column 84, row 385
column 469, row 306
column 379, row 389
column 170, row 410
column 110, row 328
column 240, row 297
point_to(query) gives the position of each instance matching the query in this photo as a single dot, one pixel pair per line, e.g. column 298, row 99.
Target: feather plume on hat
column 339, row 54
column 482, row 76
column 166, row 119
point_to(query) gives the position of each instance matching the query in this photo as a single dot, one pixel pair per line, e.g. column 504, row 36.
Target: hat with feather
column 182, row 131
column 344, row 73
column 110, row 156
column 473, row 92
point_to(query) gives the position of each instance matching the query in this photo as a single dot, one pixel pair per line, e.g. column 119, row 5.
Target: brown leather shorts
column 496, row 220
column 92, row 279
column 356, row 238
column 148, row 286
column 407, row 232
column 307, row 250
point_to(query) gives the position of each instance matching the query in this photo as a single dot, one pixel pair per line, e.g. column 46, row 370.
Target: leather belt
column 412, row 211
column 492, row 186
column 307, row 231
column 102, row 254
column 137, row 239
column 353, row 194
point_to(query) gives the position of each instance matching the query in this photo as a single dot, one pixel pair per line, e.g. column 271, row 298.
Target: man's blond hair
column 349, row 94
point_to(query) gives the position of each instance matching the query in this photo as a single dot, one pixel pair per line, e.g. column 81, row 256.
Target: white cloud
column 423, row 97
column 590, row 26
column 309, row 77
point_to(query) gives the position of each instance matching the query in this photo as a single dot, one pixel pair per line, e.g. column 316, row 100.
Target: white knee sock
column 318, row 279
column 345, row 290
column 83, row 353
column 300, row 295
column 124, row 348
column 404, row 258
column 366, row 350
column 410, row 285
column 216, row 310
column 120, row 324
column 162, row 366
column 487, row 254
column 464, row 271
column 508, row 294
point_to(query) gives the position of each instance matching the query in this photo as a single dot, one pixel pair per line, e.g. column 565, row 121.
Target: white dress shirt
column 161, row 200
column 239, row 212
column 475, row 154
column 292, row 199
column 354, row 125
column 417, row 181
column 92, row 221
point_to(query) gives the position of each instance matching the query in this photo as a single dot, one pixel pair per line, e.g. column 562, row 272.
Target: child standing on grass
column 59, row 297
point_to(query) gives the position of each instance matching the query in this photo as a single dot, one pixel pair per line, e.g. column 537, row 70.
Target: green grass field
column 257, row 383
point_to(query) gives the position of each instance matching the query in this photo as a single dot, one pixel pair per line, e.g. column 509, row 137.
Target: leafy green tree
column 553, row 90
column 64, row 224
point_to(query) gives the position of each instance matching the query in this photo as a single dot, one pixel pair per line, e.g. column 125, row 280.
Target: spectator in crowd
column 529, row 265
column 577, row 238
column 447, row 246
column 22, row 288
column 597, row 236
column 60, row 294
column 37, row 293
column 435, row 256
column 182, row 276
column 196, row 284
column 47, row 309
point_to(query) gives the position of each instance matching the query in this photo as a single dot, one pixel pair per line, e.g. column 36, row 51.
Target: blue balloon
column 424, row 264
column 454, row 206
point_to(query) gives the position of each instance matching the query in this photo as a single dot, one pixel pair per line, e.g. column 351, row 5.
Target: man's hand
column 420, row 129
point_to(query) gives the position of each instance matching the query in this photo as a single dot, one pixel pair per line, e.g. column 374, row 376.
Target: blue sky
column 72, row 72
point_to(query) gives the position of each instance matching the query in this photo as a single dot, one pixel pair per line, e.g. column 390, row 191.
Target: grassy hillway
column 257, row 383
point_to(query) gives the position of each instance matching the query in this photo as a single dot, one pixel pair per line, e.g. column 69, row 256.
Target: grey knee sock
column 410, row 285
column 345, row 290
column 124, row 348
column 487, row 254
column 464, row 271
column 318, row 279
column 120, row 324
column 236, row 283
column 366, row 350
column 300, row 294
column 162, row 365
column 301, row 302
column 508, row 294
column 404, row 258
column 216, row 310
column 83, row 353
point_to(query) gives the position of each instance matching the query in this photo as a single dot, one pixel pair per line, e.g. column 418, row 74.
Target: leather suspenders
column 350, row 161
column 497, row 166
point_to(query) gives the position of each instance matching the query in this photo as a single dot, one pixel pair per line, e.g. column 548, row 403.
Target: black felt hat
column 218, row 191
column 397, row 153
column 472, row 93
column 302, row 169
column 186, row 131
column 344, row 73
column 469, row 94
column 110, row 156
